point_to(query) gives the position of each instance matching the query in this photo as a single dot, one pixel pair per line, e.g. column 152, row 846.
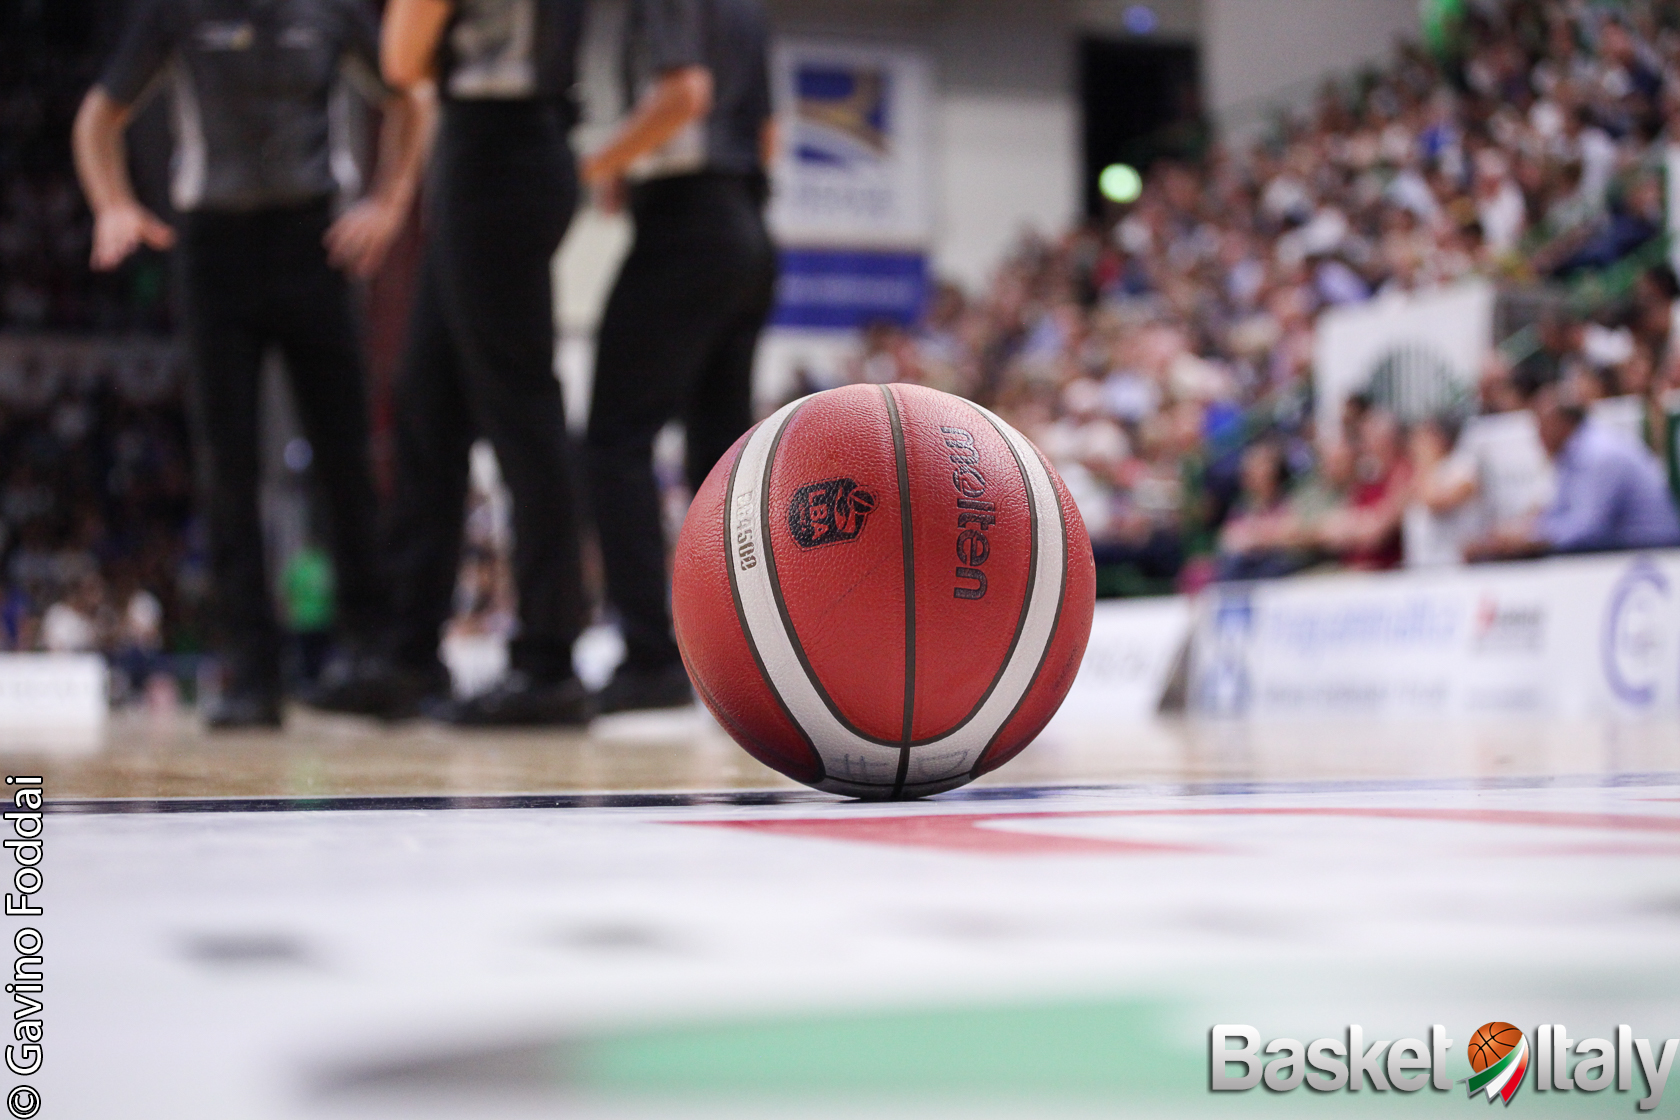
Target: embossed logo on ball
column 828, row 512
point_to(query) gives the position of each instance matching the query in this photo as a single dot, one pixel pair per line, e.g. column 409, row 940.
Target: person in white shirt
column 73, row 624
column 1438, row 522
column 1500, row 468
column 1499, row 204
column 137, row 643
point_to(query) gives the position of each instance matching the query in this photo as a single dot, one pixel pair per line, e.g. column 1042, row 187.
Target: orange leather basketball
column 883, row 591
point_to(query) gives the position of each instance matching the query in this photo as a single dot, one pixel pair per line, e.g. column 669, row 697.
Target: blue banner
column 843, row 289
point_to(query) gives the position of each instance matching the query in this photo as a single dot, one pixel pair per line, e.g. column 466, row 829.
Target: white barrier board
column 50, row 692
column 1568, row 636
column 1134, row 645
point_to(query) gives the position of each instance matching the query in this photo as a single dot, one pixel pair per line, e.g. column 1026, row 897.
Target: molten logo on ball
column 828, row 512
column 970, row 484
column 1499, row 1055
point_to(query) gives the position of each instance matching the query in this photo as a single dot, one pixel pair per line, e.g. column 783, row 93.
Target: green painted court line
column 1102, row 1049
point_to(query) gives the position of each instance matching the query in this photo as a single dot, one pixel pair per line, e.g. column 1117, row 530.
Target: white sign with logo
column 852, row 166
column 1414, row 354
column 1569, row 636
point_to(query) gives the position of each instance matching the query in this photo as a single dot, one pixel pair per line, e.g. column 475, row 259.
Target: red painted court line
column 1537, row 851
column 964, row 832
column 956, row 834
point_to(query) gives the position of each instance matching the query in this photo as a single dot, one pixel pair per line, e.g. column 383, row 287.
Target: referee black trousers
column 480, row 362
column 676, row 343
column 251, row 280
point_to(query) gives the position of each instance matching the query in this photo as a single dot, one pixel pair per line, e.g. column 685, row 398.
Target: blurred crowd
column 1163, row 358
column 48, row 58
column 96, row 503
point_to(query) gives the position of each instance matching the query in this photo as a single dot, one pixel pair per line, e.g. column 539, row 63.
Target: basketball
column 1491, row 1042
column 883, row 591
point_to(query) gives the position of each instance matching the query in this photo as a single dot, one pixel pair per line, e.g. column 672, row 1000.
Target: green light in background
column 1120, row 182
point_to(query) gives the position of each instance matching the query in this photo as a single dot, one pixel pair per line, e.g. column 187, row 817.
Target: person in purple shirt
column 1611, row 493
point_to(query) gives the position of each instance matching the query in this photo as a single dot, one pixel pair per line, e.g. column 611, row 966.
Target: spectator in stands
column 97, row 480
column 1439, row 522
column 1652, row 315
column 1365, row 533
column 484, row 603
column 78, row 622
column 1499, row 203
column 1632, row 222
column 1611, row 493
column 1154, row 510
column 309, row 598
column 1264, row 537
column 1322, row 490
column 137, row 643
column 1497, row 477
column 19, row 628
column 1085, row 436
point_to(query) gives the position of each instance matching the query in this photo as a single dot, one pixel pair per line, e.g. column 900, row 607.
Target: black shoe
column 521, row 701
column 373, row 686
column 638, row 690
column 243, row 711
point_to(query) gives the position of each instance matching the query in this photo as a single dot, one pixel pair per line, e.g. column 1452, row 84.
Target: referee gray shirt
column 252, row 82
column 731, row 38
column 510, row 50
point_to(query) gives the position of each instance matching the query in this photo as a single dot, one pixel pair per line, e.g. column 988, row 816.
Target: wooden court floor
column 345, row 921
column 149, row 756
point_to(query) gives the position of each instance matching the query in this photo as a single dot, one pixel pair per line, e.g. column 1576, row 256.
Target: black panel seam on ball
column 740, row 612
column 908, row 555
column 1055, row 620
column 1026, row 599
column 781, row 601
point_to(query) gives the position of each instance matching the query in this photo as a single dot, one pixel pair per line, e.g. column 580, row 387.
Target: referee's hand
column 362, row 235
column 123, row 227
column 606, row 184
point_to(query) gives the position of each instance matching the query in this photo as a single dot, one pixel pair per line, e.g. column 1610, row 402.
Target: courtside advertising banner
column 1566, row 637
